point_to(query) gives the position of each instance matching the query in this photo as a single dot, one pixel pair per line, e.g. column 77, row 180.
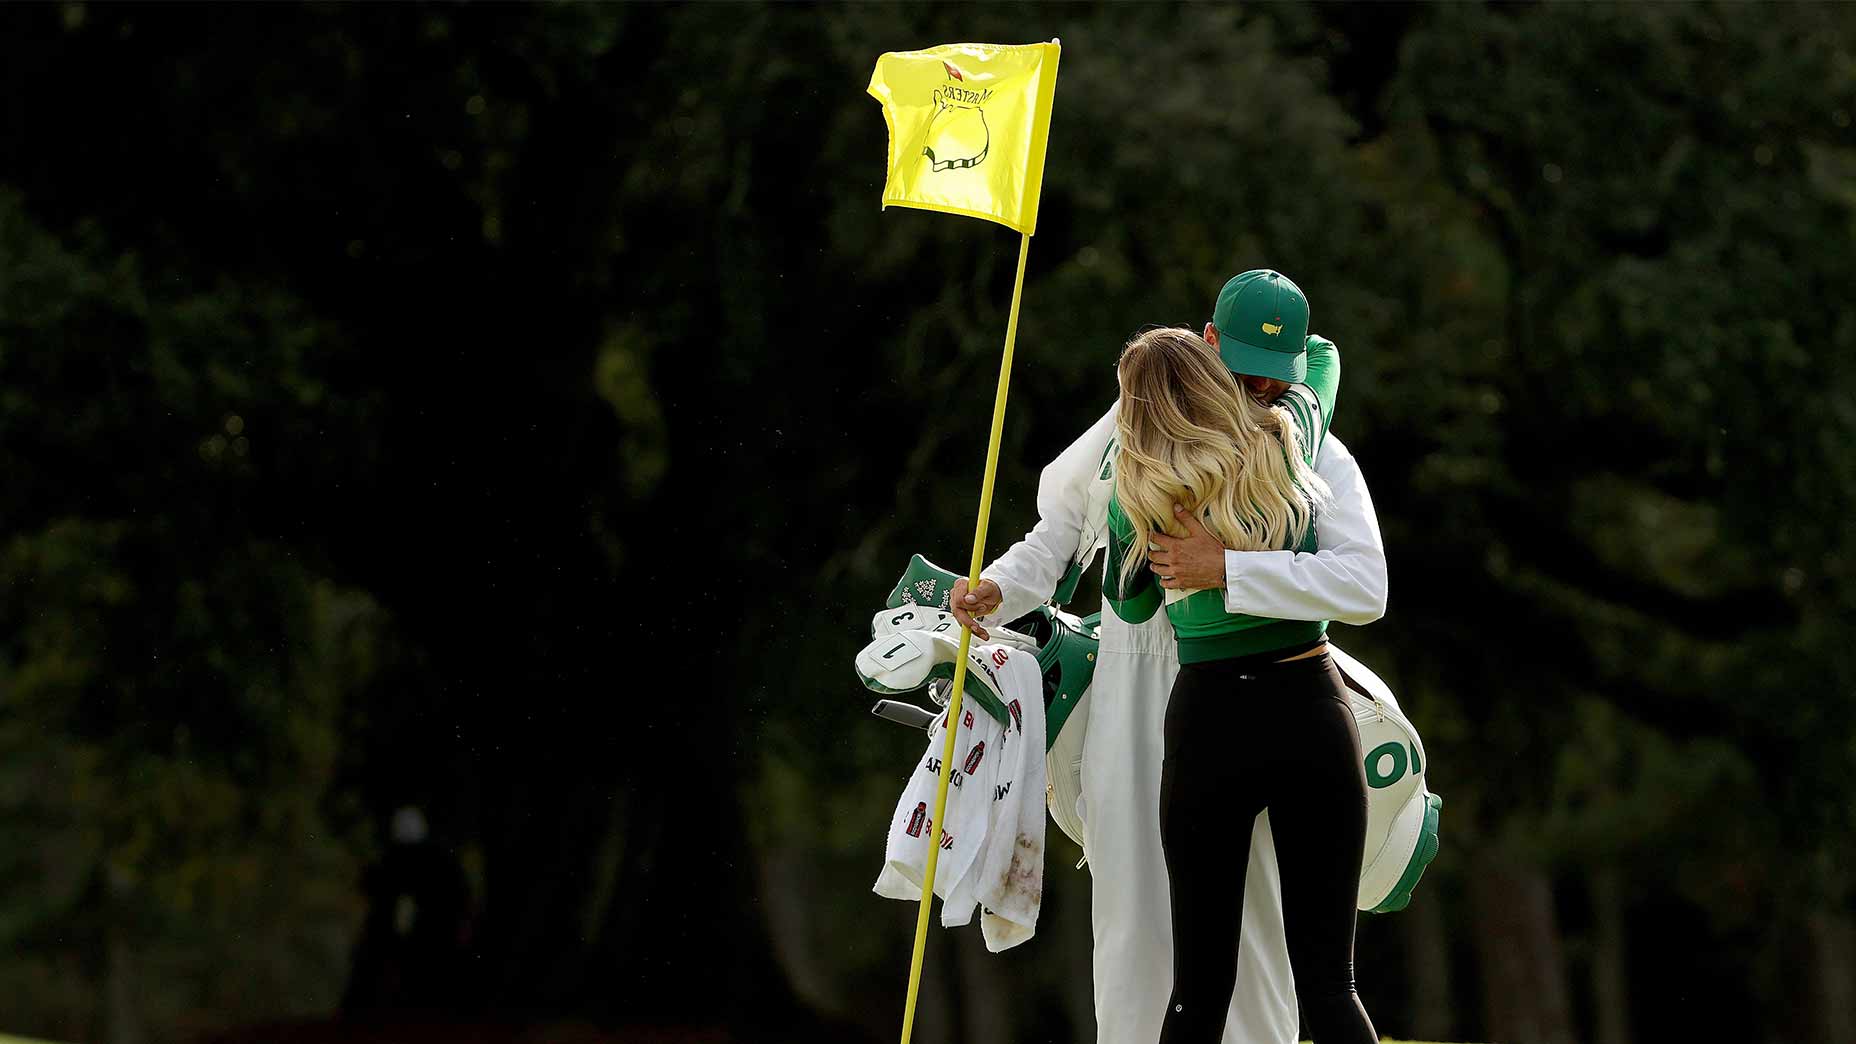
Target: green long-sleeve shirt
column 1201, row 624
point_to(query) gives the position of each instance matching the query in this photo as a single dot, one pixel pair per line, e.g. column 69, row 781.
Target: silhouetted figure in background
column 412, row 953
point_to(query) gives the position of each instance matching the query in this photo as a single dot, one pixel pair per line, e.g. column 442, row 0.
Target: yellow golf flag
column 968, row 125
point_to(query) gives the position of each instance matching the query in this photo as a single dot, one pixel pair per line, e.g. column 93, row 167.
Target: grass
column 5, row 1039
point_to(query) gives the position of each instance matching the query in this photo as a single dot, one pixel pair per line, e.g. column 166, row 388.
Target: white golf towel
column 992, row 852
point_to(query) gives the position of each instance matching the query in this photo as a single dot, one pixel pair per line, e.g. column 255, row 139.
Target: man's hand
column 1193, row 562
column 982, row 602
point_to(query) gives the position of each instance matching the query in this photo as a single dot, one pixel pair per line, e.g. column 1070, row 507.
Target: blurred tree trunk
column 125, row 1017
column 1610, row 975
column 936, row 1014
column 789, row 892
column 1833, row 952
column 122, row 1008
column 1076, row 935
column 986, row 1003
column 1517, row 938
column 683, row 937
column 1427, row 955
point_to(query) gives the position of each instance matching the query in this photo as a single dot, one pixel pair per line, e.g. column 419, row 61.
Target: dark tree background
column 515, row 411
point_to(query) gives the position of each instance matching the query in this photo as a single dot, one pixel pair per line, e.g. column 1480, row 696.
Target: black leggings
column 1244, row 735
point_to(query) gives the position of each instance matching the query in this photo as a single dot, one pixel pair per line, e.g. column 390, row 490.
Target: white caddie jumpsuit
column 1344, row 580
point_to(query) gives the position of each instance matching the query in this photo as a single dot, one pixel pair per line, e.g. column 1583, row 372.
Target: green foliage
column 172, row 684
column 430, row 361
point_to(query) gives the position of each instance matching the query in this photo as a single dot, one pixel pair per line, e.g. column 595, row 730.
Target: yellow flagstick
column 950, row 109
column 966, row 639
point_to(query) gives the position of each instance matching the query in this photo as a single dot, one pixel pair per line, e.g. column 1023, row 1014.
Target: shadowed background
column 515, row 413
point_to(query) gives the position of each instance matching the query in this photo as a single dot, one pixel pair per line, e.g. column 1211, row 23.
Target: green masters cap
column 1262, row 322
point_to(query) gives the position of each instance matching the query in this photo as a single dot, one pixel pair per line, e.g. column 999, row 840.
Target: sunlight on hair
column 1188, row 433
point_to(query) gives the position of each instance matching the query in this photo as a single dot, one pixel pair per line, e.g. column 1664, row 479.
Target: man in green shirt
column 1121, row 768
column 1182, row 437
column 1259, row 316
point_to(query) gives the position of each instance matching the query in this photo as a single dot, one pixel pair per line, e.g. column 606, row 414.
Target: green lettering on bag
column 1381, row 780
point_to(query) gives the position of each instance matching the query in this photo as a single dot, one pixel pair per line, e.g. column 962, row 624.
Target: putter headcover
column 923, row 583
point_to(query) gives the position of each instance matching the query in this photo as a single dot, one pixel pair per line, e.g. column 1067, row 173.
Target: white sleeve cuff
column 1014, row 601
column 1233, row 572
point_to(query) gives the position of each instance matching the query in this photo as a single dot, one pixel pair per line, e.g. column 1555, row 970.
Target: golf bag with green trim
column 915, row 641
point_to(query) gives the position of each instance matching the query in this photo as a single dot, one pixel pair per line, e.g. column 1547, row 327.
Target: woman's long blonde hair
column 1188, row 433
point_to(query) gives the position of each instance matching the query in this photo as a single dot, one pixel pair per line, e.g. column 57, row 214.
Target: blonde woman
column 1258, row 717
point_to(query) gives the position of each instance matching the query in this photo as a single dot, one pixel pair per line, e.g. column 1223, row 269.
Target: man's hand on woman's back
column 1193, row 562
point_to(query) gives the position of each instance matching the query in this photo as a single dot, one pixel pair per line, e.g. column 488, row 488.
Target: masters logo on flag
column 959, row 125
column 968, row 126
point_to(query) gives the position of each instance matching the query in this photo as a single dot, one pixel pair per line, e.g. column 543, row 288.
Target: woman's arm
column 1344, row 579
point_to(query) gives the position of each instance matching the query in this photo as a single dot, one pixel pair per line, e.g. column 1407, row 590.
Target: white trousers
column 1131, row 905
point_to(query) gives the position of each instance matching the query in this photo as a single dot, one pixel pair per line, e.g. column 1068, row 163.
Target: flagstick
column 966, row 638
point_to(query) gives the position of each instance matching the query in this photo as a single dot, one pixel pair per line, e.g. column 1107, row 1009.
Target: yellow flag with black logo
column 968, row 126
